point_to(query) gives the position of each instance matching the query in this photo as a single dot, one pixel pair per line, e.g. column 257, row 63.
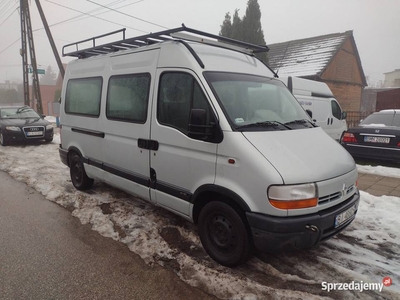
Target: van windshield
column 254, row 103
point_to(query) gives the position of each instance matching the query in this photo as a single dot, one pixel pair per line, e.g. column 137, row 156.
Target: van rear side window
column 128, row 97
column 83, row 96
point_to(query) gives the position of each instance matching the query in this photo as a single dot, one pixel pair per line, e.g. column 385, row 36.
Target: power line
column 9, row 45
column 9, row 16
column 94, row 16
column 100, row 13
column 81, row 16
column 5, row 11
column 125, row 14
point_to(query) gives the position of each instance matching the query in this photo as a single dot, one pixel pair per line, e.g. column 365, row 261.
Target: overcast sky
column 375, row 24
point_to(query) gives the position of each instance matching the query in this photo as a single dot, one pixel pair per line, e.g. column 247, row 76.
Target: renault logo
column 377, row 131
column 344, row 189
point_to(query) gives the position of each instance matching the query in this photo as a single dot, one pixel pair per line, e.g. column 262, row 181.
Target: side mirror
column 309, row 113
column 43, row 116
column 344, row 115
column 198, row 128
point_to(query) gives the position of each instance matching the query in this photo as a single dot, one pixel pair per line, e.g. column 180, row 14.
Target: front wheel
column 49, row 140
column 224, row 234
column 78, row 175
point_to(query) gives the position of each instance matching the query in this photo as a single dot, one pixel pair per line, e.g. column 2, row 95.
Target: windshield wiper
column 301, row 121
column 265, row 123
column 19, row 110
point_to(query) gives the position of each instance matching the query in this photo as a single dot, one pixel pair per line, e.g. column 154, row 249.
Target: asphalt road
column 45, row 253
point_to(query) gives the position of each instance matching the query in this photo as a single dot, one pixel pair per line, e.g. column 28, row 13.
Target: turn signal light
column 349, row 138
column 294, row 204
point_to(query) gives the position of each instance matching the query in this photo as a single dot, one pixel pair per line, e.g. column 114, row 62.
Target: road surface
column 45, row 253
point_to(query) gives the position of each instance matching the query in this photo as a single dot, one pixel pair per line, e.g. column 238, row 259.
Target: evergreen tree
column 237, row 27
column 226, row 27
column 49, row 77
column 248, row 29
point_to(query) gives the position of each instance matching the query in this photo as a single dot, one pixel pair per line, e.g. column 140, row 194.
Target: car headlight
column 48, row 127
column 13, row 128
column 293, row 196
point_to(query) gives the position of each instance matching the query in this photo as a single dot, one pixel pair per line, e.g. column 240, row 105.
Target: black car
column 377, row 137
column 23, row 124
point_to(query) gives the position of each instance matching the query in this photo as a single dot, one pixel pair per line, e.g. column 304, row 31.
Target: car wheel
column 78, row 175
column 3, row 141
column 49, row 140
column 224, row 234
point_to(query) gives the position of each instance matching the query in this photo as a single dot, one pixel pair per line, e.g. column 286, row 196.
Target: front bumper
column 10, row 136
column 271, row 234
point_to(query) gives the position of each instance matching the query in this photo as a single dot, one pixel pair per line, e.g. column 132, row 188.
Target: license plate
column 34, row 133
column 345, row 216
column 376, row 139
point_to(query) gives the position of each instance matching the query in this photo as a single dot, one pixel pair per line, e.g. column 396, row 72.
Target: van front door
column 336, row 125
column 179, row 164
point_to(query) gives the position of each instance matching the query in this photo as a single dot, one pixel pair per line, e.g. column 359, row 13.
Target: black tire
column 3, row 141
column 49, row 140
column 224, row 234
column 78, row 175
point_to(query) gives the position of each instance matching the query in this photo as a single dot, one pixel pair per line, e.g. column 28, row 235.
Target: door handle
column 148, row 144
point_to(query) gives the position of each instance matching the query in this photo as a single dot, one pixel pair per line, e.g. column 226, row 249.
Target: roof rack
column 180, row 33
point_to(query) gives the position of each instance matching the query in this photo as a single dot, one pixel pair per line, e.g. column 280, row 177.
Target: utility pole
column 51, row 40
column 26, row 29
column 24, row 54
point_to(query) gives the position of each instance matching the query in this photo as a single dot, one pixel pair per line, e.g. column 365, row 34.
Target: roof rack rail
column 179, row 33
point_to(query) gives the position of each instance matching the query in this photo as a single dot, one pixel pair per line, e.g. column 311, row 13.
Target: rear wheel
column 3, row 141
column 78, row 175
column 224, row 234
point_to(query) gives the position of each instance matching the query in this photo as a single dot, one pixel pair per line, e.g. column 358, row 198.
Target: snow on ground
column 367, row 251
column 379, row 170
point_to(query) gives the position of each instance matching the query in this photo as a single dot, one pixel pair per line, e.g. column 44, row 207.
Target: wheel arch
column 72, row 150
column 209, row 192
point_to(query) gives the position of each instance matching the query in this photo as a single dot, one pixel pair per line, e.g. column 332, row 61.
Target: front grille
column 329, row 198
column 335, row 196
column 34, row 132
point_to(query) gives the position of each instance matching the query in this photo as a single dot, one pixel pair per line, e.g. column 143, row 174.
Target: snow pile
column 368, row 250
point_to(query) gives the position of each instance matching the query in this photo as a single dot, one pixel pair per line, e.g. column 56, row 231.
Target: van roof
column 178, row 34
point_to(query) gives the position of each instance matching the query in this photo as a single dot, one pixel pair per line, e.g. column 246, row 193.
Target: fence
column 355, row 117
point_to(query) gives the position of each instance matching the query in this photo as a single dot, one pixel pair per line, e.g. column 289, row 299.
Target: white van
column 317, row 99
column 204, row 130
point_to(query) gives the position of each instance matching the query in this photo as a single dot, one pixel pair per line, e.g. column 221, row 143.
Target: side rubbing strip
column 89, row 132
column 174, row 191
column 142, row 180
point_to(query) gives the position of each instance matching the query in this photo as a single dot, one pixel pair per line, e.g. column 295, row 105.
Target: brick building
column 48, row 94
column 376, row 99
column 331, row 58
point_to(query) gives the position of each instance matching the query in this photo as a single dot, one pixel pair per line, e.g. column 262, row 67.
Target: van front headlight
column 293, row 196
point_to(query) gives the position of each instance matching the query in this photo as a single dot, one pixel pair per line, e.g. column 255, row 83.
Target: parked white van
column 317, row 98
column 202, row 128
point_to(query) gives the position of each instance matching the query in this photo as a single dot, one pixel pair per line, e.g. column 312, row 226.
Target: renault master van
column 196, row 124
column 317, row 98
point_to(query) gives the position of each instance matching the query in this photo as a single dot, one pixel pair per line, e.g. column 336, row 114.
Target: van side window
column 127, row 98
column 83, row 96
column 178, row 94
column 336, row 111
